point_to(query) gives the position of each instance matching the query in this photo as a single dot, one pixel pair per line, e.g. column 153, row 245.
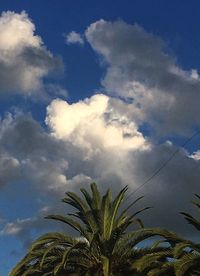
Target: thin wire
column 163, row 165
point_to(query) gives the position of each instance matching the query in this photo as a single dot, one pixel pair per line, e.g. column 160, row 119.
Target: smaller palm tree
column 184, row 254
column 187, row 252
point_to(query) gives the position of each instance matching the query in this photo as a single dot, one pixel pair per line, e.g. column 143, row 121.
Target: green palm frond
column 165, row 269
column 188, row 263
column 190, row 219
column 71, row 222
column 152, row 260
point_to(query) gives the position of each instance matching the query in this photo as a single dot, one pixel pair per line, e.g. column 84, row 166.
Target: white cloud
column 14, row 228
column 24, row 60
column 138, row 66
column 74, row 38
column 195, row 155
column 194, row 74
column 92, row 124
column 17, row 31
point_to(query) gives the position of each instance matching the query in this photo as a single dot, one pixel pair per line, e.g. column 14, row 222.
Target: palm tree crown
column 105, row 246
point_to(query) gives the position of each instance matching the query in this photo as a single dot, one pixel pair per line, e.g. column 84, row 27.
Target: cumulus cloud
column 94, row 125
column 139, row 67
column 195, row 155
column 24, row 60
column 74, row 38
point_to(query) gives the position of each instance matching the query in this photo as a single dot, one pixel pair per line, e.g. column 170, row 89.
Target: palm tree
column 187, row 252
column 106, row 245
column 184, row 254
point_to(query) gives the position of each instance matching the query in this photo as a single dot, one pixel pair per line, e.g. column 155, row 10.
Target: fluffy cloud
column 24, row 60
column 196, row 155
column 74, row 38
column 94, row 125
column 139, row 67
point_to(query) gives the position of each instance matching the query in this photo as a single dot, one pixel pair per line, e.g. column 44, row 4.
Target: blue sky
column 99, row 91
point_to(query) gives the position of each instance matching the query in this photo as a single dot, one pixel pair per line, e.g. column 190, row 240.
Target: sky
column 102, row 91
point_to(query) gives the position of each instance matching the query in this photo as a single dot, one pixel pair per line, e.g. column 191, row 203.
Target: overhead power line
column 156, row 172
